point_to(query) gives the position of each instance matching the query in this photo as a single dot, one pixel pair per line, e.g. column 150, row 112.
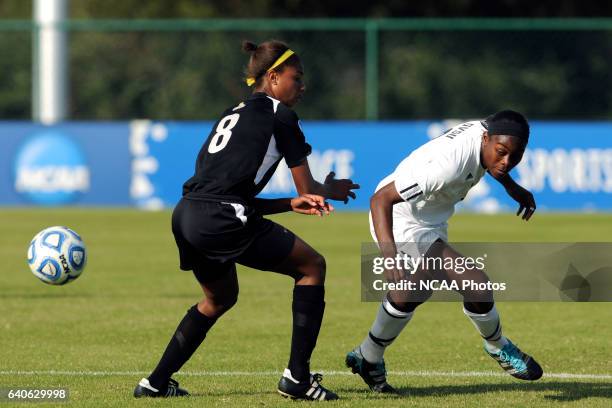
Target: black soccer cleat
column 374, row 375
column 145, row 389
column 309, row 390
column 516, row 363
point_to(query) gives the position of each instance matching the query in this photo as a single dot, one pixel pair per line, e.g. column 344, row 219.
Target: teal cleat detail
column 516, row 363
column 374, row 375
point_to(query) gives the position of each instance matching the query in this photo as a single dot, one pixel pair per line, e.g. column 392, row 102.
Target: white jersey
column 435, row 177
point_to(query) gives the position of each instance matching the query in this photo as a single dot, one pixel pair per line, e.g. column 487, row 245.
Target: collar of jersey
column 258, row 95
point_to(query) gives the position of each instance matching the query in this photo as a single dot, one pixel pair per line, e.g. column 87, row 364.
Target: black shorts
column 212, row 235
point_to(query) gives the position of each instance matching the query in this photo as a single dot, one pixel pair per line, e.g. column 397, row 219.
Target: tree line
column 191, row 75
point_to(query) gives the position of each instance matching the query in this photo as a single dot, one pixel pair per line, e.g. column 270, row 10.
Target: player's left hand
column 340, row 189
column 311, row 204
column 524, row 198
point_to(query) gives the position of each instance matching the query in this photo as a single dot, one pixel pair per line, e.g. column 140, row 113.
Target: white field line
column 278, row 373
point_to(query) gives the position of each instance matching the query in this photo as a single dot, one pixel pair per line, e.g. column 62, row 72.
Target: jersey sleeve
column 415, row 179
column 290, row 140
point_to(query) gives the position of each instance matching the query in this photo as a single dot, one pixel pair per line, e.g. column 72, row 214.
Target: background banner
column 568, row 165
column 74, row 163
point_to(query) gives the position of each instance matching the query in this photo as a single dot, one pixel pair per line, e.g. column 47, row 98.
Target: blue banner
column 568, row 165
column 67, row 164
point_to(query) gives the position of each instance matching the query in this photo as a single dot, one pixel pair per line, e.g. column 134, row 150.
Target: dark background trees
column 182, row 75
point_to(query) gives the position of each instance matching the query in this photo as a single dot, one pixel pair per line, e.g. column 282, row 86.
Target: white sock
column 489, row 327
column 387, row 326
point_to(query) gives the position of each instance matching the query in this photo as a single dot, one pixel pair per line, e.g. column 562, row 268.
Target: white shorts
column 412, row 238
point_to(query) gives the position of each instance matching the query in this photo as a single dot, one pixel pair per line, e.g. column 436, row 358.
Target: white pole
column 50, row 86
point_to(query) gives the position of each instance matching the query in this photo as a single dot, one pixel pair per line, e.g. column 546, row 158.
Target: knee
column 227, row 304
column 478, row 307
column 406, row 307
column 320, row 266
column 478, row 292
column 218, row 309
column 422, row 296
column 407, row 301
column 478, row 297
column 215, row 308
column 312, row 272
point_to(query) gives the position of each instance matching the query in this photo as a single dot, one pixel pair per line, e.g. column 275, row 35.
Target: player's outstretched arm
column 381, row 208
column 332, row 188
column 266, row 206
column 309, row 204
column 520, row 195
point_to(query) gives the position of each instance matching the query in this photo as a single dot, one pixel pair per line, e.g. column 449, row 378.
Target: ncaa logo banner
column 567, row 165
column 68, row 164
column 50, row 168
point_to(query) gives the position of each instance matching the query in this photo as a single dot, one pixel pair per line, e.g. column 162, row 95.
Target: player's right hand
column 395, row 275
column 340, row 189
column 311, row 204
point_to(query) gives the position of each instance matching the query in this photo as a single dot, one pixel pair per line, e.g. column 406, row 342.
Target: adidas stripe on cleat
column 310, row 390
column 374, row 375
column 145, row 389
column 516, row 363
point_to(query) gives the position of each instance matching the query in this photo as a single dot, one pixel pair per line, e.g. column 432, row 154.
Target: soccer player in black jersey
column 219, row 221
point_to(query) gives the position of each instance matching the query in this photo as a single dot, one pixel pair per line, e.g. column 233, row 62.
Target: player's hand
column 524, row 198
column 340, row 189
column 395, row 275
column 311, row 204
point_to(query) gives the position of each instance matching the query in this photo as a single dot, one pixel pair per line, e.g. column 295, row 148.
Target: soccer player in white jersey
column 412, row 206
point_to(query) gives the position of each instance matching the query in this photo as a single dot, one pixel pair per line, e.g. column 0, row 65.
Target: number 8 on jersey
column 224, row 133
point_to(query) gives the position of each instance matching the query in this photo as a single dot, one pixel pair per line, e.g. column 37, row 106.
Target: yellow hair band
column 250, row 80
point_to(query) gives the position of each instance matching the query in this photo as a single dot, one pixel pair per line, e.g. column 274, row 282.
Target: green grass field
column 100, row 334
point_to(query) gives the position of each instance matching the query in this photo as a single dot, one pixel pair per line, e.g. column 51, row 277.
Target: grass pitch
column 100, row 334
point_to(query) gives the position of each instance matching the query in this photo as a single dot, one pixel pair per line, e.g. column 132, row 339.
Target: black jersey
column 244, row 148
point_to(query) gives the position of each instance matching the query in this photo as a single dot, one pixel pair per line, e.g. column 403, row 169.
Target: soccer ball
column 57, row 255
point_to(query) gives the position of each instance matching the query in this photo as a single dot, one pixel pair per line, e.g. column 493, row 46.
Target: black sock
column 189, row 334
column 308, row 307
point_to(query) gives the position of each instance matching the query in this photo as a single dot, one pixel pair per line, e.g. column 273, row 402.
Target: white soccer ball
column 57, row 255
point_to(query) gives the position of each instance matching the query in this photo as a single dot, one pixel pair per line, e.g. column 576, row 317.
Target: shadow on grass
column 245, row 393
column 47, row 295
column 562, row 391
column 92, row 295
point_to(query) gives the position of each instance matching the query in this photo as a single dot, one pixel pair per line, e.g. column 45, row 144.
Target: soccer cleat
column 145, row 389
column 310, row 390
column 516, row 363
column 374, row 375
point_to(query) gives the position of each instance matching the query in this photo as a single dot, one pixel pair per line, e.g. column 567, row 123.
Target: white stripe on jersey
column 272, row 154
column 275, row 103
column 271, row 157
